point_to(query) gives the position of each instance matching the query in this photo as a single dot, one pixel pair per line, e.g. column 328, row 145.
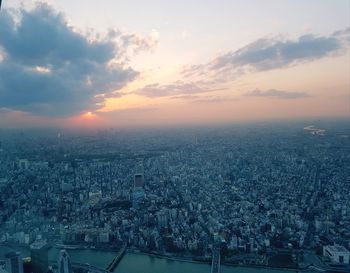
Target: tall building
column 39, row 252
column 139, row 176
column 138, row 191
column 138, row 180
column 13, row 262
column 64, row 263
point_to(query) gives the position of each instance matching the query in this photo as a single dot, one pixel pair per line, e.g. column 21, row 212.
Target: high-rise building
column 39, row 257
column 64, row 263
column 138, row 191
column 13, row 262
column 139, row 176
column 138, row 180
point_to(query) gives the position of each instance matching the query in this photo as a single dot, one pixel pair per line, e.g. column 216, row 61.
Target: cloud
column 265, row 54
column 261, row 55
column 268, row 53
column 49, row 68
column 173, row 89
column 343, row 35
column 214, row 99
column 186, row 97
column 277, row 94
column 203, row 99
column 133, row 43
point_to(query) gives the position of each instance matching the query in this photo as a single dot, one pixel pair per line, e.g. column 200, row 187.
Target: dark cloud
column 48, row 68
column 268, row 53
column 176, row 88
column 343, row 35
column 277, row 94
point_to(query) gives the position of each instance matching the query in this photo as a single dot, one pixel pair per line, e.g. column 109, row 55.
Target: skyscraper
column 64, row 263
column 139, row 176
column 39, row 256
column 138, row 180
column 138, row 190
column 13, row 262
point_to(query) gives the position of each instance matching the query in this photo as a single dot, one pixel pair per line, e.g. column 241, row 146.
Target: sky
column 136, row 63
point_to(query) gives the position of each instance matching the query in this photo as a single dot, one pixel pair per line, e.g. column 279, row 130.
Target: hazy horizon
column 273, row 123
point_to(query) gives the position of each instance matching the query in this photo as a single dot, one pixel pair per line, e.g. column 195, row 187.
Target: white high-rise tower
column 64, row 263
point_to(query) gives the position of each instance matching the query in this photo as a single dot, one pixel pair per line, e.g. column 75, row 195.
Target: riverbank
column 102, row 257
column 167, row 256
column 191, row 260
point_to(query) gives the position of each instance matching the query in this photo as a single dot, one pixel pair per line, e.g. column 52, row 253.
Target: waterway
column 141, row 263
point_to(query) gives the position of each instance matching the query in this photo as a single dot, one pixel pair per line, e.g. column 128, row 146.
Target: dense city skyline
column 265, row 196
column 132, row 64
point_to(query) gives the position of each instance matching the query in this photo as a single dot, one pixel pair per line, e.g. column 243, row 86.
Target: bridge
column 215, row 262
column 116, row 259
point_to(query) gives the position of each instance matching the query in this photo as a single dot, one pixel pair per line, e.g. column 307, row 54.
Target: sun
column 89, row 115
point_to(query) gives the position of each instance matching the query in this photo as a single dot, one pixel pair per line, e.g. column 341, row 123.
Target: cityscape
column 271, row 195
column 178, row 136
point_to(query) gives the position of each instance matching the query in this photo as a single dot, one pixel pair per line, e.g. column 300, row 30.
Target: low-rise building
column 337, row 254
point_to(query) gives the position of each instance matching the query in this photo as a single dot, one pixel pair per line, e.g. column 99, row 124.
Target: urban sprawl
column 262, row 195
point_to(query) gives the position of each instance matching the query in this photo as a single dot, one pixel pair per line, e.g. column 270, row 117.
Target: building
column 337, row 254
column 137, row 196
column 13, row 262
column 162, row 219
column 138, row 180
column 39, row 252
column 23, row 164
column 2, row 270
column 64, row 263
column 103, row 237
column 138, row 191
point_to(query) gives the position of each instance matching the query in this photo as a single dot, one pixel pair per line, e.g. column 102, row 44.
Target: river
column 142, row 263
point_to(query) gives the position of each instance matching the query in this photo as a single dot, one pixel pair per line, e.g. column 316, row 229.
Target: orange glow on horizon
column 88, row 120
column 89, row 115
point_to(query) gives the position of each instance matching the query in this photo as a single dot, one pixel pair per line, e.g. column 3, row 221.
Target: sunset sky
column 131, row 63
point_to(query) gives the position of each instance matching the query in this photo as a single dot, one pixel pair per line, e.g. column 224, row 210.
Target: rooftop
column 337, row 248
